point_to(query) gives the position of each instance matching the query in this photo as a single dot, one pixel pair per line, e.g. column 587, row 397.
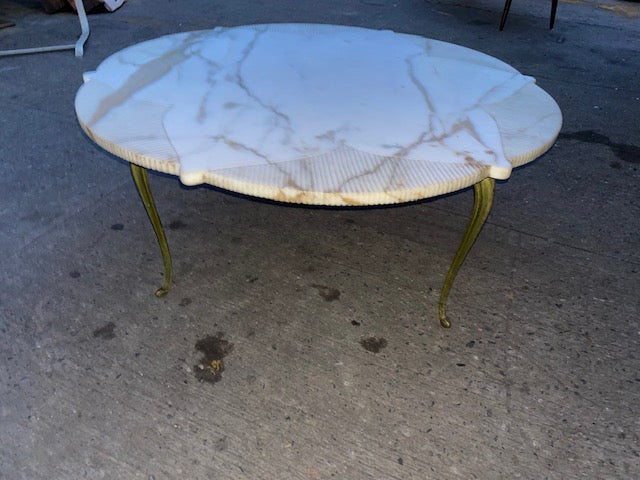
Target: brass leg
column 482, row 205
column 142, row 182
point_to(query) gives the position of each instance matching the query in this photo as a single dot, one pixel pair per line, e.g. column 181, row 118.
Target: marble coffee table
column 318, row 114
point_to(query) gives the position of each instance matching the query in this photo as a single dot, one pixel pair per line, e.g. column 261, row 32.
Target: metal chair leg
column 554, row 7
column 78, row 47
column 505, row 13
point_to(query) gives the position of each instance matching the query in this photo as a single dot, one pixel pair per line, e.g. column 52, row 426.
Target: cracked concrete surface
column 334, row 363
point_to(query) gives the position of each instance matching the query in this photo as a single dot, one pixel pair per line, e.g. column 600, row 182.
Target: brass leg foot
column 483, row 192
column 142, row 182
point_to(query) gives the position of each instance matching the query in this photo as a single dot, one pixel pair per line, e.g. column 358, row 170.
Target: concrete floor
column 538, row 378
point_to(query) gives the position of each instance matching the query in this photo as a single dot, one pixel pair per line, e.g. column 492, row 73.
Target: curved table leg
column 483, row 192
column 142, row 182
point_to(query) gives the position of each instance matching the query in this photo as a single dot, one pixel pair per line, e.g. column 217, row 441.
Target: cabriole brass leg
column 142, row 182
column 483, row 192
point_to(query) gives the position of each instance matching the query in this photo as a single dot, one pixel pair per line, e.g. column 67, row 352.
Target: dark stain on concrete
column 373, row 344
column 106, row 332
column 185, row 301
column 616, row 165
column 177, row 225
column 222, row 444
column 214, row 349
column 624, row 151
column 74, row 274
column 355, row 323
column 329, row 294
column 117, row 226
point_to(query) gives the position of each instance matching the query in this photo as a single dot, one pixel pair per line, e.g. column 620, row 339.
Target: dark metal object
column 507, row 6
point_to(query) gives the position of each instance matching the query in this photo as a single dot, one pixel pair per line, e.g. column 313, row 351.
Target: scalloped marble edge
column 453, row 177
column 466, row 176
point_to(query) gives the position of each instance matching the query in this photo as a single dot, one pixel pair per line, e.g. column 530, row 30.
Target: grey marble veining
column 320, row 113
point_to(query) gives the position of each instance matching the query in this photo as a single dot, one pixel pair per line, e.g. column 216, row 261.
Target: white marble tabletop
column 317, row 114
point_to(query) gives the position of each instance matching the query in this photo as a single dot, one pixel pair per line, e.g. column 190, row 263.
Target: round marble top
column 317, row 114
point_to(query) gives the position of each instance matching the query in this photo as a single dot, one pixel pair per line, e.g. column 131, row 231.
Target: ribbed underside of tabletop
column 157, row 105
